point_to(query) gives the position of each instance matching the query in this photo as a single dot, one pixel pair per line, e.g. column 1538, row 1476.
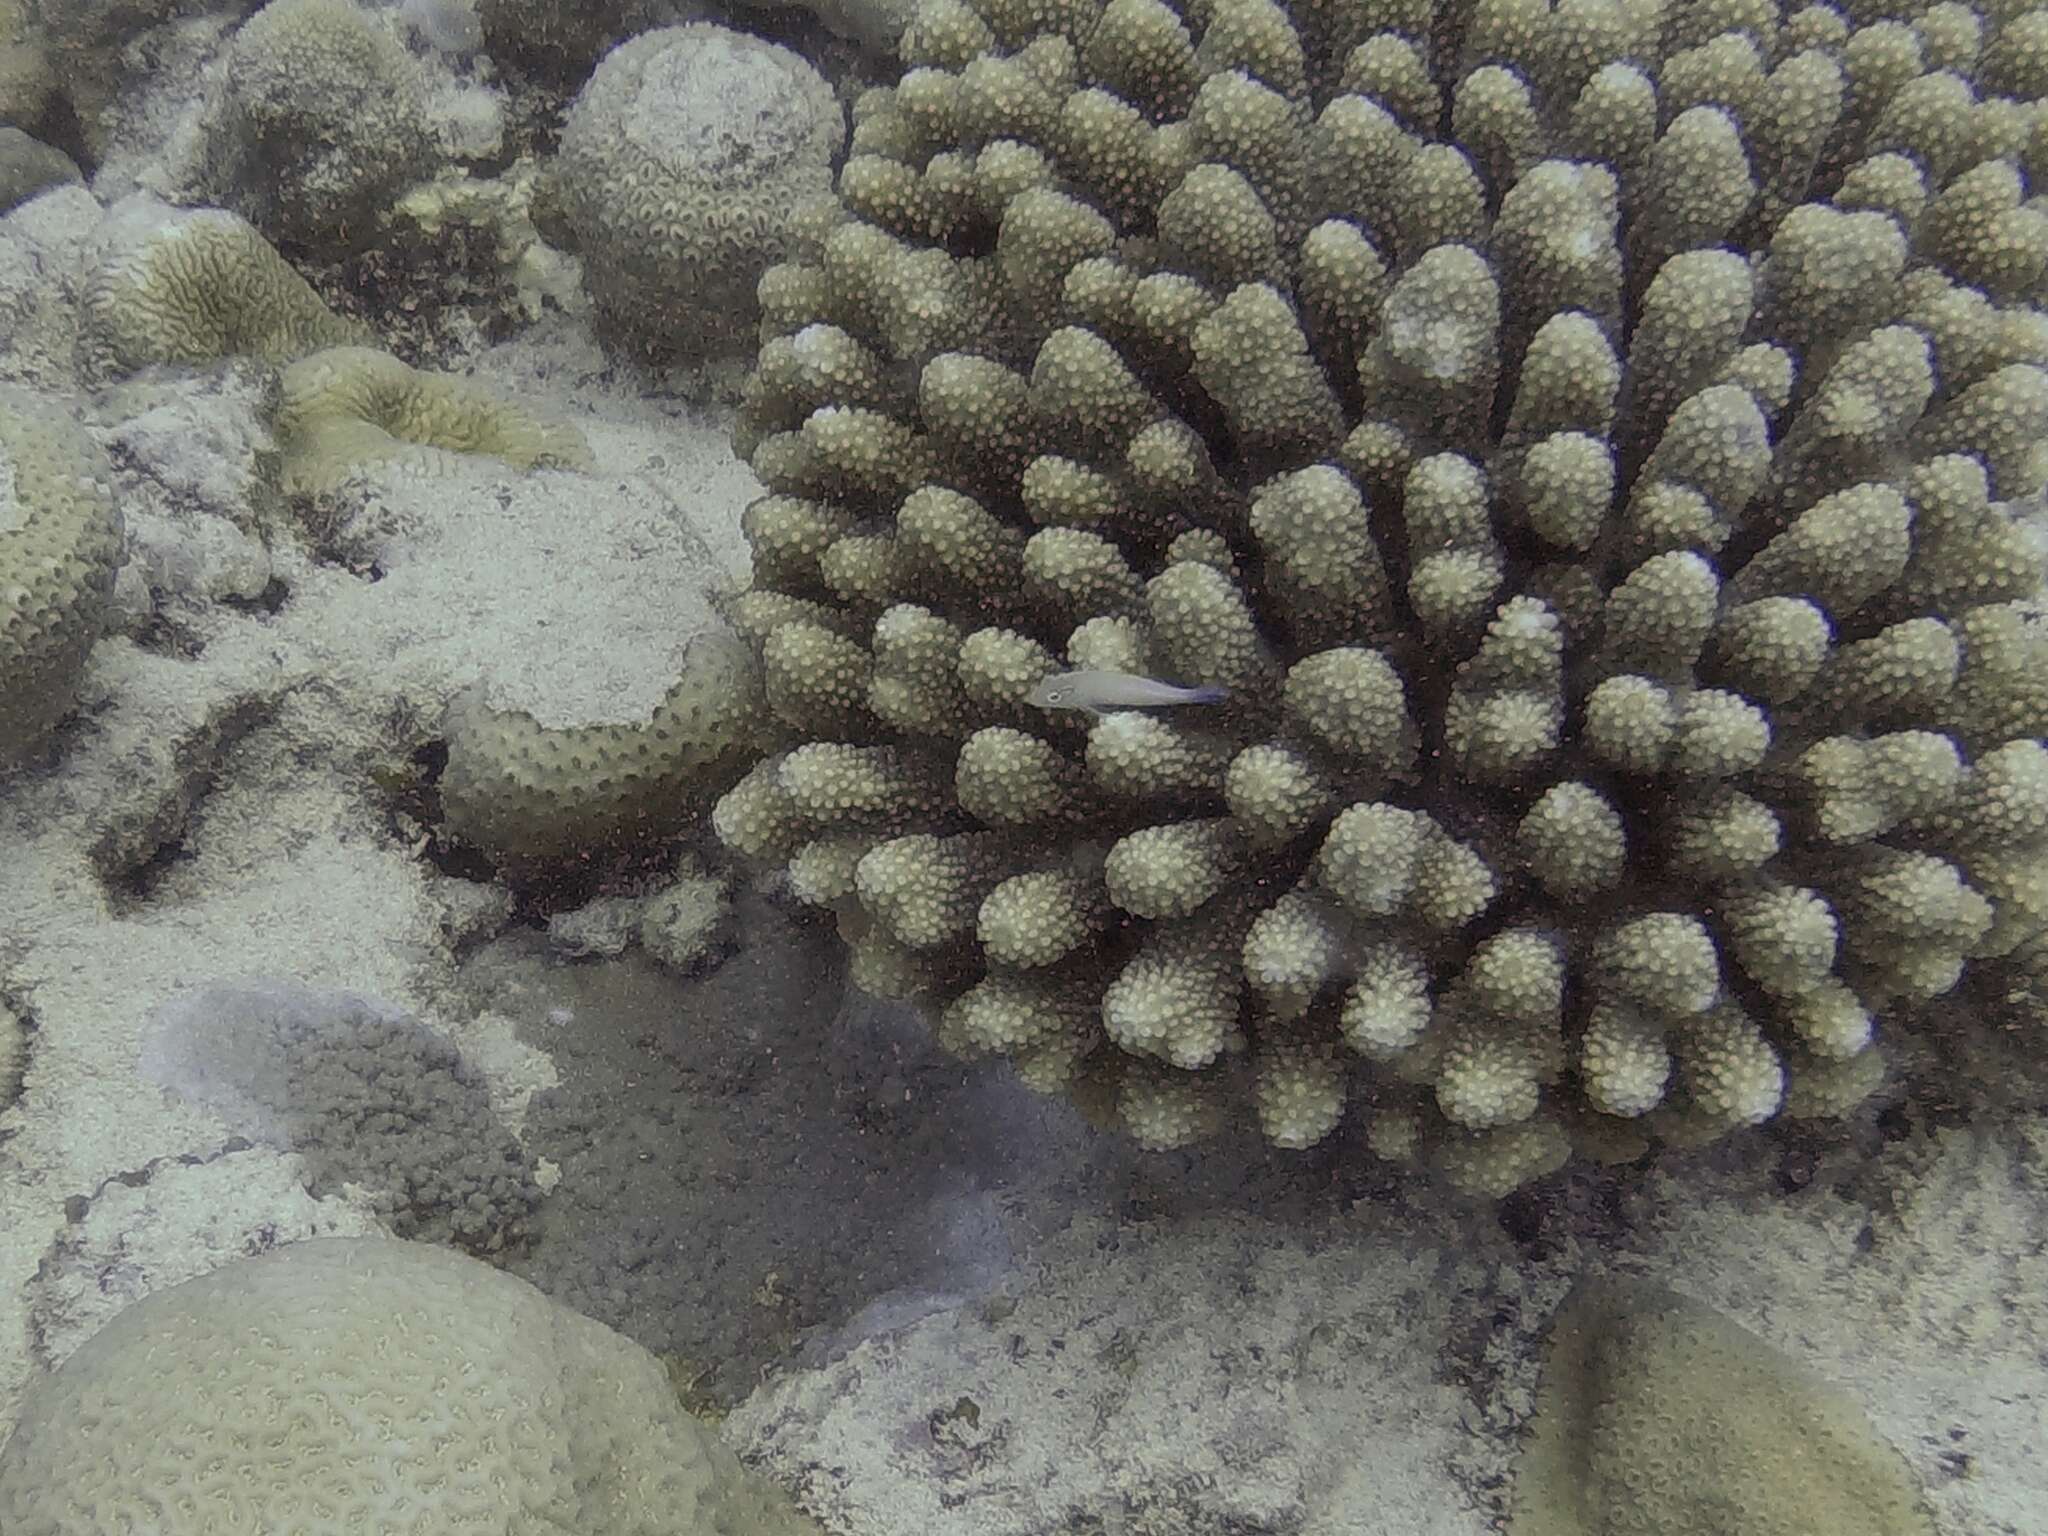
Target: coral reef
column 680, row 161
column 558, row 1423
column 194, row 287
column 29, row 167
column 1658, row 1414
column 317, row 123
column 685, row 923
column 560, row 40
column 1597, row 449
column 60, row 544
column 26, row 80
column 13, row 1054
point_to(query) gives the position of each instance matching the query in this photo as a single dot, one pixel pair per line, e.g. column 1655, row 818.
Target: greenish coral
column 1595, row 450
column 681, row 161
column 60, row 545
column 345, row 409
column 193, row 287
column 317, row 123
column 173, row 287
column 1659, row 1415
column 528, row 792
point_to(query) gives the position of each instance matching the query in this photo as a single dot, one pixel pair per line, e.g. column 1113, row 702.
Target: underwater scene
column 1023, row 768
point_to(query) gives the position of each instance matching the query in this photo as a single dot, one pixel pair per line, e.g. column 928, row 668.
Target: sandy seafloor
column 933, row 1303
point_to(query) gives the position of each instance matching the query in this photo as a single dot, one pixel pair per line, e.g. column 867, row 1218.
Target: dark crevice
column 143, row 843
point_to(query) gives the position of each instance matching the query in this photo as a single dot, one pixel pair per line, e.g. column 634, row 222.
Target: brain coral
column 60, row 545
column 679, row 163
column 1594, row 446
column 361, row 1384
column 344, row 409
column 171, row 286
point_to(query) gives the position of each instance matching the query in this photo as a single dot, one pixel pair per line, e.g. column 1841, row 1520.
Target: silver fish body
column 1096, row 692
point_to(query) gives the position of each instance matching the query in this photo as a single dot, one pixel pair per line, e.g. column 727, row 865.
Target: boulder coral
column 191, row 287
column 317, row 123
column 532, row 795
column 176, row 287
column 680, row 161
column 364, row 1384
column 1597, row 446
column 343, row 410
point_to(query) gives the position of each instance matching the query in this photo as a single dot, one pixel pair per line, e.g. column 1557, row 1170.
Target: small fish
column 1099, row 691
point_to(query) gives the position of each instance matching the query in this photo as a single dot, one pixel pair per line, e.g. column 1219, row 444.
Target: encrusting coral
column 1593, row 445
column 1658, row 1414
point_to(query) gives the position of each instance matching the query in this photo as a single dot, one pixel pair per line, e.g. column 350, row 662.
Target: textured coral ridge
column 1591, row 445
column 350, row 1384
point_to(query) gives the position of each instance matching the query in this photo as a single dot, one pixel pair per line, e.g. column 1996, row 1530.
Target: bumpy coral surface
column 1660, row 1417
column 524, row 791
column 318, row 122
column 360, row 1384
column 60, row 544
column 365, row 1093
column 1592, row 445
column 680, row 161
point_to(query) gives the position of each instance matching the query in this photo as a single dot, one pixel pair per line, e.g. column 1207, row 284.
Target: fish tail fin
column 1208, row 693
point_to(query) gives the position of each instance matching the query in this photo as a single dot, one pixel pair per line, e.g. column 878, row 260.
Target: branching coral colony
column 1593, row 446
